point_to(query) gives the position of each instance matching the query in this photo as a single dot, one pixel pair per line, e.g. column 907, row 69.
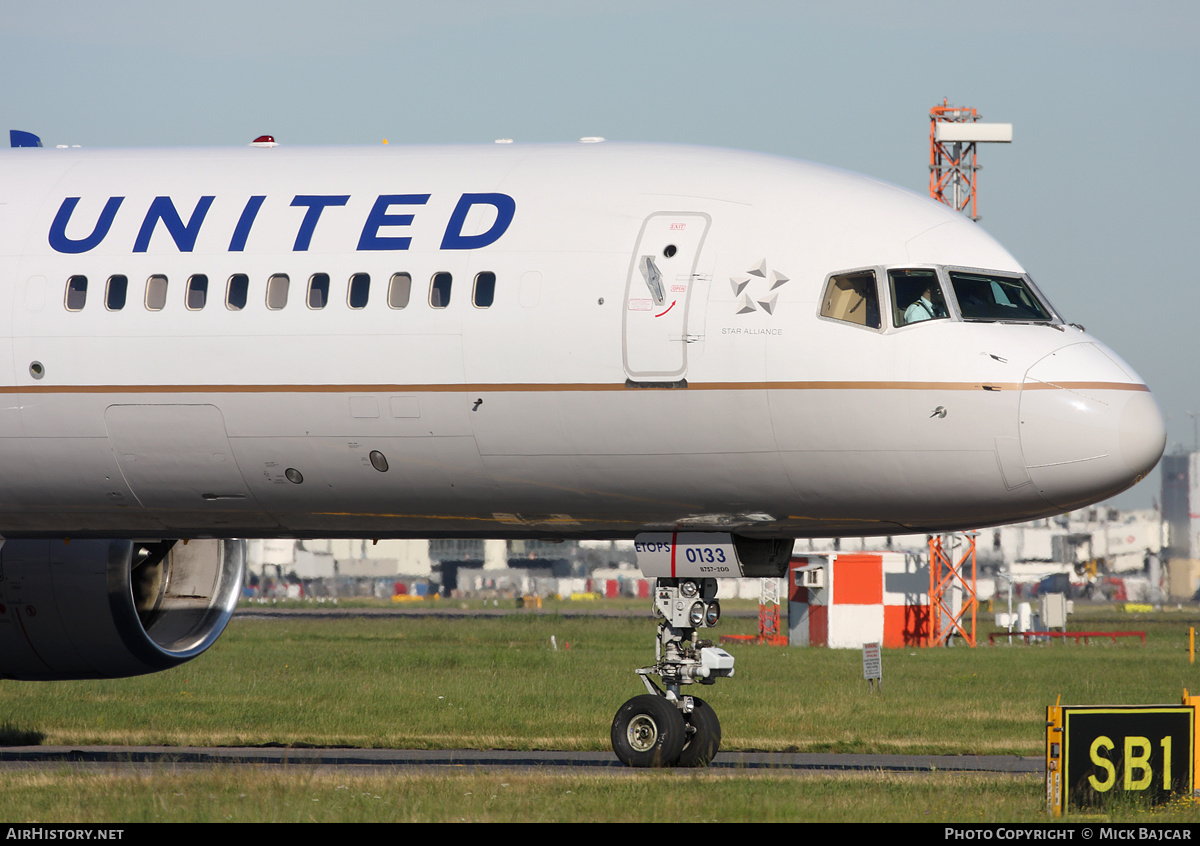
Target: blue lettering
column 316, row 204
column 505, row 207
column 58, row 229
column 184, row 235
column 379, row 217
column 242, row 231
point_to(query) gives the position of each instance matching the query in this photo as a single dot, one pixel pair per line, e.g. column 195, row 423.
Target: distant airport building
column 1115, row 552
column 1181, row 515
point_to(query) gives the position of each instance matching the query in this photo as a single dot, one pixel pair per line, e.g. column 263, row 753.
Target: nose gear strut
column 664, row 727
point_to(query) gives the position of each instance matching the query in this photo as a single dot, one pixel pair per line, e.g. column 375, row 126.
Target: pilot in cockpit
column 924, row 308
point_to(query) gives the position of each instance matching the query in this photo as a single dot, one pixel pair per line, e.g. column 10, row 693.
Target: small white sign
column 997, row 133
column 872, row 662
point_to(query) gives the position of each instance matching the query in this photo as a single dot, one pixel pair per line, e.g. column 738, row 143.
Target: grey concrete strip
column 109, row 756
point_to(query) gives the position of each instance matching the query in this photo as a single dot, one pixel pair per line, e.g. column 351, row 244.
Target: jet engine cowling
column 87, row 609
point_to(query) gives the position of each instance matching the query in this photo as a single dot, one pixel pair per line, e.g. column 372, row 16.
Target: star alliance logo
column 745, row 284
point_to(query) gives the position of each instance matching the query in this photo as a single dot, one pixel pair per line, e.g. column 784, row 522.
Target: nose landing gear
column 665, row 728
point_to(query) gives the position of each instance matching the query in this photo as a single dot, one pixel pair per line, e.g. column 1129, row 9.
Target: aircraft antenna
column 954, row 133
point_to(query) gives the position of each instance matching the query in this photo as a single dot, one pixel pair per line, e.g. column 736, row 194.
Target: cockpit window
column 989, row 296
column 916, row 296
column 852, row 297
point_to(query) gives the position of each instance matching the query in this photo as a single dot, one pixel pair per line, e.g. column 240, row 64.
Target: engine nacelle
column 86, row 609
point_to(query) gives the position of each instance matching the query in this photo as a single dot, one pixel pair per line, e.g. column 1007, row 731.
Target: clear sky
column 1096, row 196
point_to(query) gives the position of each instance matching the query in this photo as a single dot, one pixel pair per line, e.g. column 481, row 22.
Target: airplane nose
column 1089, row 426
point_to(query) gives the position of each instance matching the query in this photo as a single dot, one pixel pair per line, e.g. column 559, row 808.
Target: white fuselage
column 594, row 396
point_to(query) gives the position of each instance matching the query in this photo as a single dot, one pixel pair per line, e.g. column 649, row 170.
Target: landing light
column 713, row 614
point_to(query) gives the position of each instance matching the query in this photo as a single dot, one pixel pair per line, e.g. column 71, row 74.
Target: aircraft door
column 658, row 295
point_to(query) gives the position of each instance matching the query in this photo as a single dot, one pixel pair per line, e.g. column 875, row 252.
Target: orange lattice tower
column 768, row 618
column 954, row 133
column 953, row 602
column 768, row 614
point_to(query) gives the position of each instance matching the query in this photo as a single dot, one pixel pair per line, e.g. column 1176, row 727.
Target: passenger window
column 156, row 292
column 114, row 294
column 360, row 288
column 76, row 293
column 197, row 292
column 439, row 290
column 398, row 290
column 854, row 298
column 236, row 292
column 318, row 290
column 988, row 296
column 916, row 296
column 485, row 289
column 277, row 291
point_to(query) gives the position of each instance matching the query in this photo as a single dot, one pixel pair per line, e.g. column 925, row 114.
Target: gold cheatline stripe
column 533, row 387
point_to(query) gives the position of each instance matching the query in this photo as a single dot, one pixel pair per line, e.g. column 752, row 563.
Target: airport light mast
column 954, row 132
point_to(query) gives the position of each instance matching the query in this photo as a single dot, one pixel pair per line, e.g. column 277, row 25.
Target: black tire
column 701, row 746
column 648, row 731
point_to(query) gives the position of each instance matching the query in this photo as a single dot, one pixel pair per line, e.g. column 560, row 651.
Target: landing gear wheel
column 648, row 731
column 702, row 745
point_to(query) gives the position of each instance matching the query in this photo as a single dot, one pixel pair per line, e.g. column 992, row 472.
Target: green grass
column 244, row 794
column 249, row 794
column 419, row 682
